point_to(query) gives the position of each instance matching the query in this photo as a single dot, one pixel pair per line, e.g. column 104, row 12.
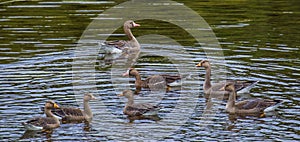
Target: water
column 38, row 43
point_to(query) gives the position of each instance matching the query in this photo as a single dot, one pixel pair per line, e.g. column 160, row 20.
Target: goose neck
column 129, row 34
column 207, row 83
column 138, row 79
column 130, row 101
column 87, row 109
column 231, row 100
column 49, row 113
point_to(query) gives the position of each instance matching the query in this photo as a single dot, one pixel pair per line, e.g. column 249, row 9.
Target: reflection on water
column 259, row 40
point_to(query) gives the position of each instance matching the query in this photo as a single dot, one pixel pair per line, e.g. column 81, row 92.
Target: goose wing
column 62, row 112
column 120, row 44
column 140, row 109
column 41, row 121
column 240, row 85
column 260, row 104
column 171, row 78
column 265, row 103
column 155, row 81
column 248, row 104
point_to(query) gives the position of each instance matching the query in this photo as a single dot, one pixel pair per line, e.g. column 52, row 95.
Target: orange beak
column 198, row 65
column 120, row 95
column 56, row 106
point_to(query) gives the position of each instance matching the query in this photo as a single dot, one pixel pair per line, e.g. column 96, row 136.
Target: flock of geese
column 229, row 89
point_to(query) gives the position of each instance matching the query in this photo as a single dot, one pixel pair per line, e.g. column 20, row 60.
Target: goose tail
column 273, row 107
column 247, row 88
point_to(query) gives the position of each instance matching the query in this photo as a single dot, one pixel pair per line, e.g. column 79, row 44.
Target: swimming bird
column 119, row 46
column 248, row 106
column 155, row 81
column 240, row 86
column 132, row 109
column 70, row 114
column 40, row 123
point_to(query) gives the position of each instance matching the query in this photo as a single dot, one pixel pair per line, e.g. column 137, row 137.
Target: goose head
column 228, row 87
column 203, row 63
column 131, row 24
column 126, row 93
column 131, row 72
column 88, row 97
column 51, row 104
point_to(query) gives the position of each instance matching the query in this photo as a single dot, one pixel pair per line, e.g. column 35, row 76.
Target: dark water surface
column 38, row 43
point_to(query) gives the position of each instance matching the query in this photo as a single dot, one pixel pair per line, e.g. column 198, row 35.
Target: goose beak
column 222, row 89
column 56, row 106
column 120, row 95
column 126, row 73
column 94, row 98
column 136, row 25
column 198, row 65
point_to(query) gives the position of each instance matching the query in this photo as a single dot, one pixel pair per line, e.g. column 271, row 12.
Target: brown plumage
column 123, row 45
column 214, row 89
column 155, row 81
column 69, row 114
column 248, row 106
column 40, row 123
column 132, row 109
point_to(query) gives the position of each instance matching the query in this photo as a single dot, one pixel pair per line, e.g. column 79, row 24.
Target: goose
column 248, row 106
column 214, row 89
column 119, row 46
column 69, row 114
column 155, row 81
column 132, row 109
column 40, row 123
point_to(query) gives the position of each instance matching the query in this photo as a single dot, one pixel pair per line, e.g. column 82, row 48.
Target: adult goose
column 214, row 89
column 69, row 114
column 120, row 46
column 155, row 81
column 40, row 123
column 248, row 106
column 132, row 109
